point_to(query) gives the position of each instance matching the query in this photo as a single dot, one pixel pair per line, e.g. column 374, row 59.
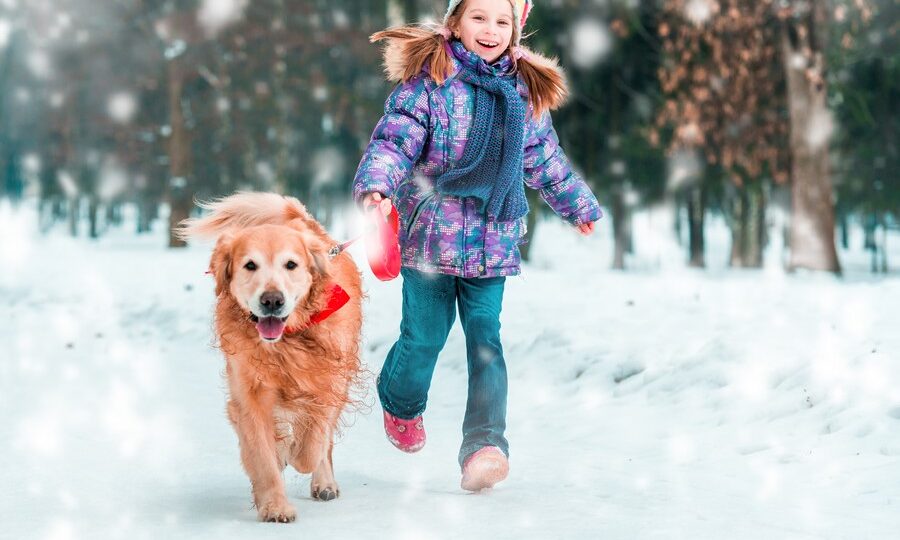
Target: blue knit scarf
column 491, row 167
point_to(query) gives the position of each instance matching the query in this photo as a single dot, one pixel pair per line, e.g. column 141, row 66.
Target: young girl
column 466, row 129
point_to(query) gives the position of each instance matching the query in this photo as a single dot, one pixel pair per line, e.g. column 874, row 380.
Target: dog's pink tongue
column 270, row 327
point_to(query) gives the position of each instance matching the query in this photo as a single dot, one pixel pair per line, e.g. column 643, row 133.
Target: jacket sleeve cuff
column 360, row 190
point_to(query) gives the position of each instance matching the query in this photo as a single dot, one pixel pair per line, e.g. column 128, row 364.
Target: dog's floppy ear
column 317, row 252
column 220, row 263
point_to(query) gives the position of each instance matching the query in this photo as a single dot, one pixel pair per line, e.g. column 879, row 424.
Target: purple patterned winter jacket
column 423, row 132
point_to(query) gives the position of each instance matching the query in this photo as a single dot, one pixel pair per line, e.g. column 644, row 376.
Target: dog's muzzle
column 270, row 322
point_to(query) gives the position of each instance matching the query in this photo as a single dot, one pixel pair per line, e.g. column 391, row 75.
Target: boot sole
column 408, row 449
column 484, row 472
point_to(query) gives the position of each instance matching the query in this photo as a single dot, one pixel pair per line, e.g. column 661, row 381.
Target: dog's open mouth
column 269, row 328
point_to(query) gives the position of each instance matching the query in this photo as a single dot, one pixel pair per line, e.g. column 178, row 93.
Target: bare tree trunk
column 621, row 223
column 844, row 222
column 871, row 244
column 74, row 206
column 179, row 185
column 812, row 220
column 93, row 211
column 748, row 227
column 146, row 213
column 283, row 154
column 696, row 216
column 755, row 239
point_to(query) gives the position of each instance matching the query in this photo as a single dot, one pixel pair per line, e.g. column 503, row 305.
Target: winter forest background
column 779, row 116
column 720, row 359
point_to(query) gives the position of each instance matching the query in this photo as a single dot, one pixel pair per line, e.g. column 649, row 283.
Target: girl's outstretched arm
column 397, row 141
column 548, row 169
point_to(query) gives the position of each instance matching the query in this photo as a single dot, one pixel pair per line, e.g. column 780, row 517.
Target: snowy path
column 647, row 405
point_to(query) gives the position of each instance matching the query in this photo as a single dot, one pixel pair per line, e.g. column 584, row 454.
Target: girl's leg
column 428, row 314
column 480, row 301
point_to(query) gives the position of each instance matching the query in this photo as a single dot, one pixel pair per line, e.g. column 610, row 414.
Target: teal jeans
column 430, row 302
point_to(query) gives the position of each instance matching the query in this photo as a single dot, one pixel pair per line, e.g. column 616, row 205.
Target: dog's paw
column 277, row 512
column 325, row 493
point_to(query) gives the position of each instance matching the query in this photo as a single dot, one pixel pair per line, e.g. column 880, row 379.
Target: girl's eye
column 251, row 266
column 504, row 23
column 290, row 265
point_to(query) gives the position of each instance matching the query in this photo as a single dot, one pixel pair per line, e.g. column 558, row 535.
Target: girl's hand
column 586, row 228
column 377, row 199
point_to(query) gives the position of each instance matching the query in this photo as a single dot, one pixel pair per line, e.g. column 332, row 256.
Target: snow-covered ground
column 660, row 403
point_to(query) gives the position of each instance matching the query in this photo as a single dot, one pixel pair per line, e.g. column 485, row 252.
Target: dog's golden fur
column 285, row 396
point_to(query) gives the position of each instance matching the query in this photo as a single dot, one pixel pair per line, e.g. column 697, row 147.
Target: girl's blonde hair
column 413, row 48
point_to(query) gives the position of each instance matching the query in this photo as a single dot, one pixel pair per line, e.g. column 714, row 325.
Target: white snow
column 657, row 403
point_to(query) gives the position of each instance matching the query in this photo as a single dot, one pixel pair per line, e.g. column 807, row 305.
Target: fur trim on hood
column 412, row 49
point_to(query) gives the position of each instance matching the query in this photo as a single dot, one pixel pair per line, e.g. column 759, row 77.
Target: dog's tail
column 245, row 209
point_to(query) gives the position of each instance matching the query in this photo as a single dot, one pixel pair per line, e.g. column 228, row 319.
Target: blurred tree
column 725, row 99
column 805, row 27
column 145, row 101
column 11, row 176
column 864, row 88
column 610, row 57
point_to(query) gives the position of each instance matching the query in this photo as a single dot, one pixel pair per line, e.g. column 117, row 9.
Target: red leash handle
column 382, row 244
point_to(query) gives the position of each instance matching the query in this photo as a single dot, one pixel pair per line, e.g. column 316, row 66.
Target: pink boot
column 407, row 435
column 484, row 468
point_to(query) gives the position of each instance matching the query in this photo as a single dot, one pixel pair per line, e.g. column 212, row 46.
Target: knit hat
column 520, row 12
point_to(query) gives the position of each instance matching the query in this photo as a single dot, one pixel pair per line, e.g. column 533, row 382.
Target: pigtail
column 544, row 78
column 412, row 48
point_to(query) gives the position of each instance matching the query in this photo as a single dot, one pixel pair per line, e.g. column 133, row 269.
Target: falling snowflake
column 819, row 129
column 4, row 32
column 591, row 42
column 121, row 107
column 215, row 15
column 113, row 181
column 684, row 168
column 699, row 11
column 328, row 166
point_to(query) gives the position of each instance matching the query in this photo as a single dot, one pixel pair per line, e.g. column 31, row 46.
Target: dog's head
column 268, row 269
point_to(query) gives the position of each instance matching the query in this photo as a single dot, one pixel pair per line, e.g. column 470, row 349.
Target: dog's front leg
column 323, row 486
column 314, row 455
column 255, row 427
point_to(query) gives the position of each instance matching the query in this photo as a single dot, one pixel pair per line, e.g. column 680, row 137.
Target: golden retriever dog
column 291, row 358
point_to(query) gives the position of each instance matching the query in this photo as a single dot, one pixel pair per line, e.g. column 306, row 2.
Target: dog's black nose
column 272, row 301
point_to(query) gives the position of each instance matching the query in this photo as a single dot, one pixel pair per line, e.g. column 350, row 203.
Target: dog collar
column 336, row 300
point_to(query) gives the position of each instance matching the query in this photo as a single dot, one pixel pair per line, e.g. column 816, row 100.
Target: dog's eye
column 290, row 265
column 251, row 266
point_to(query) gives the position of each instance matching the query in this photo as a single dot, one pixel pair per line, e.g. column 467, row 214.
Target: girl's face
column 486, row 27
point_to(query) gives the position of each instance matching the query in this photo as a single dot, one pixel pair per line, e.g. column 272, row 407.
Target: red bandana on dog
column 338, row 297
